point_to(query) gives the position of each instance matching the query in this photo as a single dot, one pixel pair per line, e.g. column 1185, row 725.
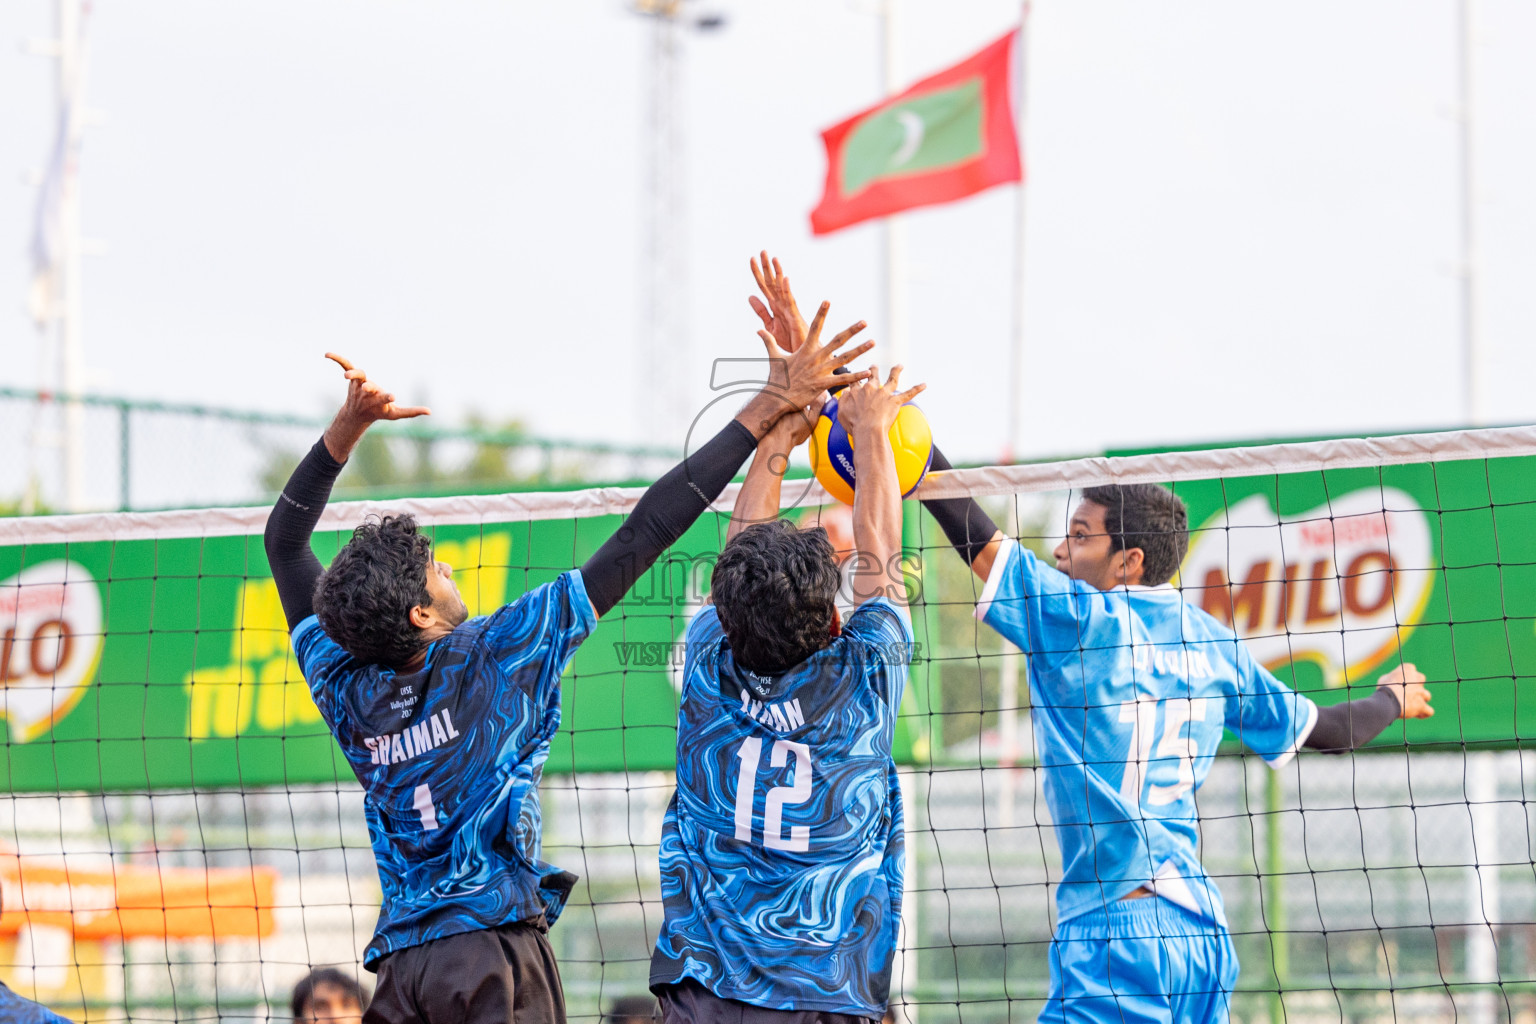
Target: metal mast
column 663, row 281
column 70, row 89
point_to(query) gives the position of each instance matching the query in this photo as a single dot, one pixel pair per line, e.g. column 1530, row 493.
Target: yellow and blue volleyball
column 832, row 451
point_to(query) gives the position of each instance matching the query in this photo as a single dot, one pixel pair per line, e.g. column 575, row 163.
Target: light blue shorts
column 1138, row 961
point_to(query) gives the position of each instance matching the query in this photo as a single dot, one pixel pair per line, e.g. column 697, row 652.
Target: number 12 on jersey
column 750, row 753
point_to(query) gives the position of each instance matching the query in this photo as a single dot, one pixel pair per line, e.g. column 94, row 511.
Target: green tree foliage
column 396, row 463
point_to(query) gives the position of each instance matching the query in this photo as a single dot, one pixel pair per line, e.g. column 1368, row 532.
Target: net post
column 1274, row 898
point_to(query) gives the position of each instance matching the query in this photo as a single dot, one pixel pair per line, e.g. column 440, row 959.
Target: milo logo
column 50, row 640
column 1341, row 585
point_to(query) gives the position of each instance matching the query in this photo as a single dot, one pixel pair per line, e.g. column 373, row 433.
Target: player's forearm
column 974, row 536
column 294, row 566
column 761, row 413
column 758, row 501
column 343, row 434
column 1349, row 726
column 664, row 512
column 876, row 515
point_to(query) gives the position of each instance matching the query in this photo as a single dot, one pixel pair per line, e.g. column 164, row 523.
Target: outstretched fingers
column 846, row 334
column 352, row 373
column 813, row 333
column 844, row 358
column 758, row 273
column 406, row 412
column 911, row 393
column 761, row 311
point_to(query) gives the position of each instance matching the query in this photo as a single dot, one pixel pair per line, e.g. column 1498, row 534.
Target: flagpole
column 1016, row 377
column 895, row 229
column 1472, row 385
column 894, row 344
column 1009, row 663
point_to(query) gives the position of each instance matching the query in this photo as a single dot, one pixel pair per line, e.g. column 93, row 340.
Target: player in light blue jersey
column 781, row 852
column 1132, row 686
column 446, row 720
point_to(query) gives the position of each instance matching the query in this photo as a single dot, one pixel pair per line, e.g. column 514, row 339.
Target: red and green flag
column 948, row 136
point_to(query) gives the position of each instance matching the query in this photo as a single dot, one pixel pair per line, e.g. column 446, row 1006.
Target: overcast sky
column 1243, row 219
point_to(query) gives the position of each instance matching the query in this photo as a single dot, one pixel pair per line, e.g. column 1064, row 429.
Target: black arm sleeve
column 1353, row 724
column 294, row 566
column 968, row 528
column 668, row 507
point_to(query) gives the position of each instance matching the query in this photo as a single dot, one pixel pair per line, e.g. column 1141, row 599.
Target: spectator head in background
column 327, row 994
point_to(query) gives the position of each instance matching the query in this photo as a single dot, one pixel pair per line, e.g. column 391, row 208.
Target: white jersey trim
column 1174, row 887
column 1283, row 758
column 1005, row 555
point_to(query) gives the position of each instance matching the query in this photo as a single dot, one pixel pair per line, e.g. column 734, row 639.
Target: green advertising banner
column 1335, row 577
column 164, row 663
column 142, row 658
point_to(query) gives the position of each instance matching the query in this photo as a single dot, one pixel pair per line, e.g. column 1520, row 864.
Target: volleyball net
column 183, row 840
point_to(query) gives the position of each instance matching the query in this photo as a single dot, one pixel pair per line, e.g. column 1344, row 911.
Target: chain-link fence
column 148, row 455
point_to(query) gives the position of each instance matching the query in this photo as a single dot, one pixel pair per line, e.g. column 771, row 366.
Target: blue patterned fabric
column 16, row 1010
column 1130, row 692
column 781, row 852
column 450, row 758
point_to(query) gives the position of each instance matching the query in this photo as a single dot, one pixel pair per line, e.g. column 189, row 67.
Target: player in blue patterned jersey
column 1131, row 687
column 447, row 721
column 781, row 851
column 15, row 1009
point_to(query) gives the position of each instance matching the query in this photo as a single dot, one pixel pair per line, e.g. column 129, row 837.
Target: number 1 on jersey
column 426, row 808
column 750, row 754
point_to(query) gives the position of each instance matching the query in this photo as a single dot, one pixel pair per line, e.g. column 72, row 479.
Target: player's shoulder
column 562, row 600
column 316, row 652
column 878, row 620
column 24, row 1011
column 1202, row 623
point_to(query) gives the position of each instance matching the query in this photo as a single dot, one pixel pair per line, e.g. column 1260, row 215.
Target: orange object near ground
column 132, row 901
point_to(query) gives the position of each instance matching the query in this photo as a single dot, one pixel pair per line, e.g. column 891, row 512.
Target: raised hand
column 1407, row 684
column 366, row 401
column 796, row 426
column 870, row 406
column 781, row 317
column 808, row 370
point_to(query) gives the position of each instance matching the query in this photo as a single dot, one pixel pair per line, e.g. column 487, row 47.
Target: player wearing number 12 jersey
column 446, row 720
column 1132, row 686
column 781, row 852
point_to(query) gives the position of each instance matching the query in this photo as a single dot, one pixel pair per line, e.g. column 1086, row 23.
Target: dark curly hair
column 775, row 588
column 1149, row 517
column 304, row 991
column 364, row 599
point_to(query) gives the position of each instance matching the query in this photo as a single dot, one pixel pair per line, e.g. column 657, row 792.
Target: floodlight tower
column 71, row 90
column 664, row 281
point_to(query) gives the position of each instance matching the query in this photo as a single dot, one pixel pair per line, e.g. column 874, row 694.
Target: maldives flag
column 948, row 136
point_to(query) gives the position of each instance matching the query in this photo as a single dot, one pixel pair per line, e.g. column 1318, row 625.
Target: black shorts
column 505, row 974
column 688, row 1002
